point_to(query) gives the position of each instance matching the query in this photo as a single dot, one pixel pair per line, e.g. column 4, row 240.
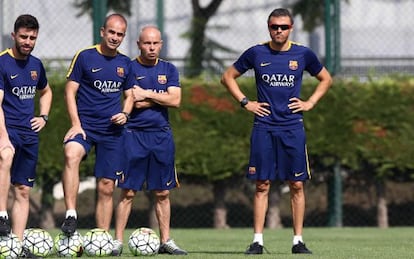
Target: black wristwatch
column 126, row 115
column 45, row 117
column 244, row 101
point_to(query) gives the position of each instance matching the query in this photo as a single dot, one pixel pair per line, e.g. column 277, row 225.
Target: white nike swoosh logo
column 298, row 174
column 140, row 77
column 94, row 70
column 119, row 173
column 169, row 183
column 30, row 180
column 14, row 76
column 263, row 64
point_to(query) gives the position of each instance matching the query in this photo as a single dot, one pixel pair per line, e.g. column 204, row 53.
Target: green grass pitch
column 396, row 242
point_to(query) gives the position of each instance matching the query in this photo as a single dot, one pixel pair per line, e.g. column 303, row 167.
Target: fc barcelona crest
column 120, row 71
column 293, row 64
column 162, row 79
column 33, row 75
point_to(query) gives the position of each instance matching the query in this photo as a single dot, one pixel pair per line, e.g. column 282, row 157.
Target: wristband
column 44, row 117
column 126, row 115
column 244, row 101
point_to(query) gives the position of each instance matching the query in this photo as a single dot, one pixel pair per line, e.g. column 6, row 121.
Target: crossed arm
column 146, row 98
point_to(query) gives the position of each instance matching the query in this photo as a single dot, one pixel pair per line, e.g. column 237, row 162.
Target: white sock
column 4, row 214
column 258, row 237
column 71, row 213
column 297, row 239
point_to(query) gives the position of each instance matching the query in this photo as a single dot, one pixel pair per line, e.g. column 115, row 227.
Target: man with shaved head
column 148, row 138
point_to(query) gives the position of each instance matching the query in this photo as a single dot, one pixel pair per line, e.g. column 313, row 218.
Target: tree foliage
column 312, row 12
column 51, row 157
column 86, row 6
column 202, row 49
column 364, row 125
column 211, row 133
column 367, row 126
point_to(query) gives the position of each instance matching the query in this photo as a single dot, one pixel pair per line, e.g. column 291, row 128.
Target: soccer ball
column 97, row 242
column 38, row 241
column 69, row 246
column 144, row 241
column 10, row 246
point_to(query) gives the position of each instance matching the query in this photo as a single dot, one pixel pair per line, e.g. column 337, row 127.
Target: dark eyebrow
column 117, row 33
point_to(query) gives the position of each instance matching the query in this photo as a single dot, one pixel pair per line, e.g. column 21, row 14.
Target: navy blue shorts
column 279, row 154
column 150, row 154
column 23, row 170
column 110, row 154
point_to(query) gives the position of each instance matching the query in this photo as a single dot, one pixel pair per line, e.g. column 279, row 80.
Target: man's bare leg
column 104, row 205
column 123, row 211
column 20, row 209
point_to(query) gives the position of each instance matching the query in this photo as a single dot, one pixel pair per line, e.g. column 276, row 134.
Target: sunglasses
column 283, row 27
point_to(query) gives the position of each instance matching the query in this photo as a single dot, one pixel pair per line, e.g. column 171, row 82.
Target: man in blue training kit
column 96, row 81
column 149, row 144
column 278, row 143
column 21, row 77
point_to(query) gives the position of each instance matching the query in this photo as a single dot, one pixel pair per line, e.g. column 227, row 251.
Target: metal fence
column 375, row 34
column 376, row 38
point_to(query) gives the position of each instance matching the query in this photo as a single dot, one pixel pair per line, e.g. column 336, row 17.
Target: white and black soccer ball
column 97, row 242
column 69, row 246
column 38, row 241
column 10, row 246
column 144, row 241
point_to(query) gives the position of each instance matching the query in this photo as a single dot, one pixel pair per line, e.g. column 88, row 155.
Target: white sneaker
column 117, row 248
column 170, row 247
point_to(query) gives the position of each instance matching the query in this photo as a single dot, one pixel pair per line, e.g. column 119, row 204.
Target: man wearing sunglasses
column 278, row 142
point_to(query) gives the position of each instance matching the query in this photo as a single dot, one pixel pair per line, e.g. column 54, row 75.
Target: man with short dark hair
column 278, row 142
column 21, row 77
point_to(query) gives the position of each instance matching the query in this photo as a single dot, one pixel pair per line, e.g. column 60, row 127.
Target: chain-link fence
column 375, row 34
column 375, row 38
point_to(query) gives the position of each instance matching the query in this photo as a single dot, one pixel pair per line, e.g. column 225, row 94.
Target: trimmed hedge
column 358, row 123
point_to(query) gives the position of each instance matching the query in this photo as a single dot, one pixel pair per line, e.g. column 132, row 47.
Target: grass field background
column 396, row 242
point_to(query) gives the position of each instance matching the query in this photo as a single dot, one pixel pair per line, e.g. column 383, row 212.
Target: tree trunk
column 152, row 216
column 273, row 220
column 382, row 209
column 201, row 16
column 47, row 220
column 220, row 209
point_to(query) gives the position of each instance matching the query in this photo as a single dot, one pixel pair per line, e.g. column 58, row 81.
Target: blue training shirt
column 278, row 78
column 101, row 84
column 19, row 79
column 156, row 78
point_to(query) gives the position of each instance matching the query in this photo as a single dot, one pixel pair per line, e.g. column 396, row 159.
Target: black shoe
column 69, row 225
column 5, row 228
column 254, row 249
column 300, row 248
column 27, row 254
